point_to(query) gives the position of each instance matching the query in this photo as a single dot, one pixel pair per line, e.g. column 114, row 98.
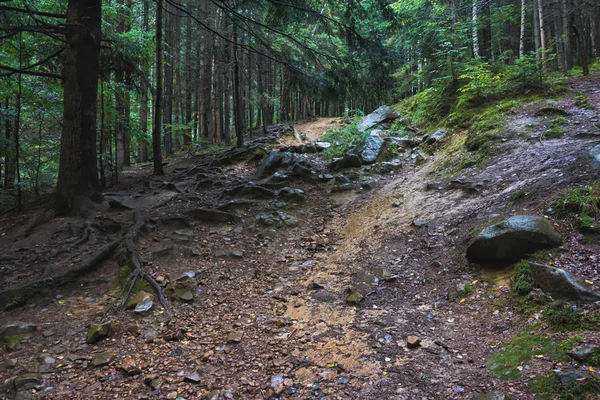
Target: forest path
column 314, row 130
column 269, row 316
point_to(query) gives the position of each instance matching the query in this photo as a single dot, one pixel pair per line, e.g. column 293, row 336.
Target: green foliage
column 581, row 204
column 551, row 388
column 562, row 316
column 522, row 283
column 343, row 139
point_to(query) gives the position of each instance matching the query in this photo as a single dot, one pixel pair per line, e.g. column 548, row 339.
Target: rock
column 420, row 157
column 157, row 252
column 120, row 204
column 402, row 143
column 277, row 384
column 595, row 154
column 129, row 367
column 235, row 337
column 387, row 167
column 370, row 150
column 137, row 298
column 100, row 331
column 213, row 395
column 192, row 377
column 321, row 146
column 292, row 195
column 183, row 294
column 437, row 136
column 236, row 254
column 8, row 363
column 368, row 183
column 584, row 354
column 382, row 114
column 273, row 161
column 301, row 170
column 279, row 177
column 102, row 359
column 513, row 239
column 355, row 298
column 183, row 236
column 495, row 395
column 345, row 187
column 562, row 284
column 350, row 160
column 27, row 382
column 144, row 306
column 419, row 223
column 568, row 377
column 16, row 328
column 133, row 329
column 325, row 177
column 412, row 342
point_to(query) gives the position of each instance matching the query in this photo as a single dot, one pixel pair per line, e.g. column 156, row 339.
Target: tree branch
column 26, row 11
column 25, row 72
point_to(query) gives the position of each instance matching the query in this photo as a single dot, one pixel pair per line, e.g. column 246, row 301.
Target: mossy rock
column 562, row 284
column 512, row 240
column 101, row 331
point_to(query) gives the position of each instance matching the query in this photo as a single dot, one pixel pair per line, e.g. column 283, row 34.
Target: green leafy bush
column 581, row 204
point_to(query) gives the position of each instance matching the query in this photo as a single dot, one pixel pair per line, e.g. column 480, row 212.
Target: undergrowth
column 582, row 206
column 551, row 388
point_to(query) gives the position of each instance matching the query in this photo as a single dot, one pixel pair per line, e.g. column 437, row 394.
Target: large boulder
column 16, row 328
column 370, row 149
column 350, row 160
column 562, row 284
column 382, row 114
column 513, row 239
column 595, row 154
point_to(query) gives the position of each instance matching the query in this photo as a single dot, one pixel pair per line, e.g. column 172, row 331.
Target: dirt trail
column 269, row 317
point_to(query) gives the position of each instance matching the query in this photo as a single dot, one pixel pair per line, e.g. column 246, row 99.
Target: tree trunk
column 536, row 30
column 156, row 131
column 542, row 26
column 189, row 78
column 78, row 174
column 9, row 159
column 143, row 150
column 474, row 29
column 168, row 88
column 238, row 107
column 522, row 30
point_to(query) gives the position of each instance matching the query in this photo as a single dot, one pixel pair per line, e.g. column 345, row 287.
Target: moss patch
column 550, row 388
column 509, row 363
column 523, row 281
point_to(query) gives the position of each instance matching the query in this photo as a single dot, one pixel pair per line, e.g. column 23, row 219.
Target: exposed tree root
column 138, row 272
column 13, row 297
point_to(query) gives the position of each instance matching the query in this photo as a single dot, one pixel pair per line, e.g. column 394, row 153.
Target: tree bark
column 78, row 173
column 474, row 29
column 156, row 131
column 522, row 30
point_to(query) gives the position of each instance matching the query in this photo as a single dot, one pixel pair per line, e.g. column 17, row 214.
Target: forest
column 158, row 78
column 300, row 199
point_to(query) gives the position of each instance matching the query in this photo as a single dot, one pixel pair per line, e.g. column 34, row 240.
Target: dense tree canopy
column 86, row 90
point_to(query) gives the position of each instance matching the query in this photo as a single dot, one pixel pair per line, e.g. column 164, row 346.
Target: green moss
column 550, row 388
column 523, row 282
column 563, row 316
column 509, row 363
column 582, row 101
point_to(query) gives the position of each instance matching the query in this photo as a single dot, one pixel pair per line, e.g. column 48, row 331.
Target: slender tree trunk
column 474, row 29
column 18, row 127
column 9, row 162
column 168, row 88
column 78, row 173
column 189, row 78
column 542, row 25
column 156, row 131
column 38, row 167
column 536, row 30
column 522, row 30
column 238, row 107
column 567, row 35
column 143, row 150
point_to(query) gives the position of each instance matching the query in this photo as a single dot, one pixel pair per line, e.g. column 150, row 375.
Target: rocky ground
column 348, row 285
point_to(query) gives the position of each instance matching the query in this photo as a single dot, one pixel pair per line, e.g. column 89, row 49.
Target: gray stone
column 584, row 354
column 345, row 187
column 562, row 284
column 192, row 377
column 292, row 195
column 144, row 305
column 17, row 328
column 120, row 204
column 100, row 331
column 382, row 114
column 325, row 177
column 495, row 395
column 235, row 337
column 569, row 377
column 320, row 146
column 595, row 154
column 183, row 236
column 273, row 161
column 102, row 359
column 350, row 160
column 279, row 177
column 512, row 239
column 369, row 183
column 419, row 223
column 355, row 298
column 370, row 149
column 157, row 252
column 403, row 142
column 438, row 135
column 301, row 170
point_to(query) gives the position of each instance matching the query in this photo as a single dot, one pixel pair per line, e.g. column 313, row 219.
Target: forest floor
column 269, row 317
